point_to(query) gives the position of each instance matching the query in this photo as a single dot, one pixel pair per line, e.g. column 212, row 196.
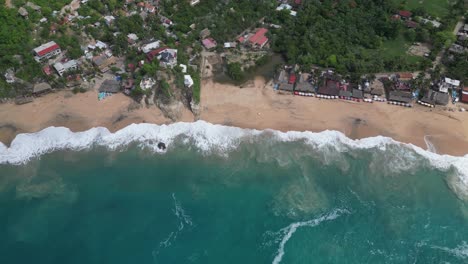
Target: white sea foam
column 291, row 229
column 461, row 251
column 207, row 137
column 183, row 220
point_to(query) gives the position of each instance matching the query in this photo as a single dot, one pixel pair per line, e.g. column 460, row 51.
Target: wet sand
column 254, row 106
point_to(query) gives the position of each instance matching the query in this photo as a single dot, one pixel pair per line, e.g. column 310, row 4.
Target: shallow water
column 262, row 201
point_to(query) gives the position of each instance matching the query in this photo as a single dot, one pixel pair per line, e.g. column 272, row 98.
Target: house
column 33, row 6
column 405, row 14
column 150, row 8
column 61, row 68
column 434, row 23
column 103, row 62
column 330, row 87
column 259, row 39
column 23, row 12
column 205, row 33
column 283, row 82
column 286, row 7
column 404, row 76
column 194, row 2
column 155, row 53
column 358, row 94
column 209, row 43
column 109, row 20
column 229, row 45
column 304, row 84
column 183, row 68
column 41, row 88
column 464, row 95
column 168, row 58
column 400, row 96
column 411, row 24
column 188, row 81
column 150, row 46
column 110, row 86
column 448, row 83
column 10, row 76
column 166, row 22
column 132, row 38
column 147, row 83
column 457, row 49
column 345, row 94
column 46, row 51
column 433, row 97
column 99, row 44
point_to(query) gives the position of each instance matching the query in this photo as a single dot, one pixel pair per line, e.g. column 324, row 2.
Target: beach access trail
column 255, row 106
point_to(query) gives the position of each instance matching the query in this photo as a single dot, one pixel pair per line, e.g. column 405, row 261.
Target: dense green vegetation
column 457, row 68
column 356, row 36
column 225, row 19
column 436, row 8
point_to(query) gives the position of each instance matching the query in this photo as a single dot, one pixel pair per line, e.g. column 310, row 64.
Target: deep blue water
column 314, row 206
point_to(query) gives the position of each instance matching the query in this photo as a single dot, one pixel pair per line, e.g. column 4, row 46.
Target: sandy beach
column 255, row 105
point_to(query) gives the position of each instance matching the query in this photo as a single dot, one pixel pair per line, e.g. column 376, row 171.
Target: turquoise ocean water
column 265, row 201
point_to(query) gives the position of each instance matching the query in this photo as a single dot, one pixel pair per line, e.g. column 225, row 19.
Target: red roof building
column 154, row 53
column 47, row 70
column 47, row 50
column 411, row 24
column 464, row 95
column 404, row 14
column 259, row 39
column 209, row 43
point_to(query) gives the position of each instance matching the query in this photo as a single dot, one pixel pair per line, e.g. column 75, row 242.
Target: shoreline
column 255, row 106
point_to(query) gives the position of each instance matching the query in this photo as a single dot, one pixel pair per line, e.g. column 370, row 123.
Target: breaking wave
column 218, row 139
column 291, row 229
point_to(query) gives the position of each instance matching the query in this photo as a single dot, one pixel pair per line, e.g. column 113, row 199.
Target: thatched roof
column 41, row 87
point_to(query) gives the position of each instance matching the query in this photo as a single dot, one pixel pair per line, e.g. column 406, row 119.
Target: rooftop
column 46, row 48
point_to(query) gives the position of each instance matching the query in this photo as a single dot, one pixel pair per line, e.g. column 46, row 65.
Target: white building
column 168, row 58
column 448, row 83
column 183, row 67
column 109, row 20
column 150, row 46
column 132, row 37
column 188, row 81
column 61, row 68
column 286, row 7
column 9, row 76
column 194, row 2
column 46, row 51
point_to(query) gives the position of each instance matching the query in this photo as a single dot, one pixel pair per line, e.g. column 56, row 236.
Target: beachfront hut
column 110, row 86
column 433, row 98
column 303, row 85
column 358, row 94
column 286, row 87
column 344, row 94
column 40, row 88
column 400, row 96
column 330, row 88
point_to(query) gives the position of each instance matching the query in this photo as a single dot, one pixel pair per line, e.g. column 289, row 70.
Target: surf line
column 291, row 229
column 184, row 220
